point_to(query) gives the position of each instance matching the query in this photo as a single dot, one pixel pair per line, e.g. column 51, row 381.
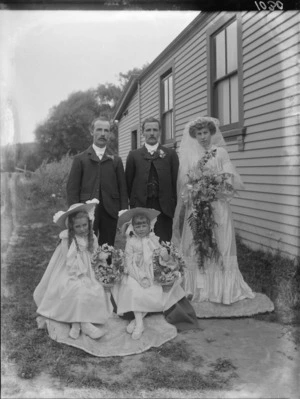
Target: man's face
column 101, row 133
column 151, row 132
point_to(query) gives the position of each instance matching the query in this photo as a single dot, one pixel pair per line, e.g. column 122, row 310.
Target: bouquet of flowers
column 108, row 265
column 168, row 264
column 205, row 186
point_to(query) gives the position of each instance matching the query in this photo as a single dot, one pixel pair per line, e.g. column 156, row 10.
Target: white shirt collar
column 151, row 148
column 98, row 150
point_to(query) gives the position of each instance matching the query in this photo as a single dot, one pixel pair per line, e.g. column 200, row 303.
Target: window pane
column 231, row 44
column 222, row 90
column 234, row 99
column 168, row 125
column 220, row 55
column 166, row 97
column 171, row 92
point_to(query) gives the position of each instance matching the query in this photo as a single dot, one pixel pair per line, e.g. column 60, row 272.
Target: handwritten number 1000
column 269, row 5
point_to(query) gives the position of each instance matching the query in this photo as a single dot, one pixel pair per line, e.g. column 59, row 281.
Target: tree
column 67, row 128
column 124, row 77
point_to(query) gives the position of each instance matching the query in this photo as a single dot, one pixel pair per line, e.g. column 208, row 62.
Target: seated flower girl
column 68, row 291
column 138, row 292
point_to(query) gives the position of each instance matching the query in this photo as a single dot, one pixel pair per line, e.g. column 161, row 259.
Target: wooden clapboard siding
column 271, row 225
column 252, row 85
column 283, row 237
column 125, row 127
column 292, row 160
column 271, row 189
column 259, row 216
column 259, row 241
column 267, row 212
column 285, row 25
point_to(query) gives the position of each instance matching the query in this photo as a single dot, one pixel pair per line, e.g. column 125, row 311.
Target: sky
column 46, row 55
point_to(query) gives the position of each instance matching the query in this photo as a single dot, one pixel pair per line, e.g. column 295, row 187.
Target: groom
column 151, row 176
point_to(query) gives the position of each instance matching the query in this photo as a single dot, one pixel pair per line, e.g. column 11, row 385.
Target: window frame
column 167, row 69
column 235, row 130
column 134, row 130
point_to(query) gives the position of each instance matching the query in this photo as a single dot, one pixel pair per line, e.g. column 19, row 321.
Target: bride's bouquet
column 204, row 186
column 108, row 265
column 168, row 265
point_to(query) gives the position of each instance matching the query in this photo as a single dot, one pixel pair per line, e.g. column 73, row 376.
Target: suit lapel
column 106, row 156
column 92, row 155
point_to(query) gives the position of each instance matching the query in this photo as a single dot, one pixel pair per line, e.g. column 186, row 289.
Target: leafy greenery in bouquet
column 168, row 264
column 108, row 264
column 205, row 186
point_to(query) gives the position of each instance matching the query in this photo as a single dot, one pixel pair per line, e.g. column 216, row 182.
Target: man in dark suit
column 96, row 173
column 151, row 176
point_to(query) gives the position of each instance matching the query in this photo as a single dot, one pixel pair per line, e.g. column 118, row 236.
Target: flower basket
column 168, row 265
column 108, row 265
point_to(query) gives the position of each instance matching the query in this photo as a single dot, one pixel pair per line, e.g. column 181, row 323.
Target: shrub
column 47, row 186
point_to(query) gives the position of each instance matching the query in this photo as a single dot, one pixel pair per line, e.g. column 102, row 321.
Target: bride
column 208, row 278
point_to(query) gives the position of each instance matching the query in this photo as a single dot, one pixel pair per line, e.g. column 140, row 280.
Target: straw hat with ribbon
column 125, row 216
column 61, row 217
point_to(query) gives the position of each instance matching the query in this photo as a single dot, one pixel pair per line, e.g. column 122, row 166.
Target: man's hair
column 140, row 216
column 99, row 118
column 150, row 120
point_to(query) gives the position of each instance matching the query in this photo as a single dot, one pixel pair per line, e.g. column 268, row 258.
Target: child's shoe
column 74, row 331
column 92, row 331
column 137, row 332
column 130, row 327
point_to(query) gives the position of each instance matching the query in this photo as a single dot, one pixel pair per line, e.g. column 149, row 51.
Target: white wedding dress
column 218, row 281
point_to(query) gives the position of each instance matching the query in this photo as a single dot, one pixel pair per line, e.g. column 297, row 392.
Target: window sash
column 225, row 76
column 167, row 107
column 167, row 123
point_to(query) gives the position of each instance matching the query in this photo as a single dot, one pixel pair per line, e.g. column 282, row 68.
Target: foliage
column 125, row 77
column 20, row 155
column 67, row 127
column 203, row 187
column 274, row 275
column 47, row 184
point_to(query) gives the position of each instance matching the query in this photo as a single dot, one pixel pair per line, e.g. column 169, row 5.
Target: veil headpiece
column 190, row 151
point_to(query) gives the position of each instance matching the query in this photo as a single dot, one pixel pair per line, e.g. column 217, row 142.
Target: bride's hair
column 210, row 125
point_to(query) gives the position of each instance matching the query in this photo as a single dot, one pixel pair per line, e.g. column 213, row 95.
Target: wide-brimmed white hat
column 61, row 217
column 127, row 215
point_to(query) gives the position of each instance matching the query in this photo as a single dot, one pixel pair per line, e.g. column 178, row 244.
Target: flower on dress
column 162, row 154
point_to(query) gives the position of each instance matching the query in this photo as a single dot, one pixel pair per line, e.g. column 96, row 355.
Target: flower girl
column 68, row 291
column 138, row 291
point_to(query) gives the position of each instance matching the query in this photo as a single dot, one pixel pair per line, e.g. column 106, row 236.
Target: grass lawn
column 174, row 365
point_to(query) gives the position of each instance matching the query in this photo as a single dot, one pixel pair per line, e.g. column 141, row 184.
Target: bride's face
column 203, row 136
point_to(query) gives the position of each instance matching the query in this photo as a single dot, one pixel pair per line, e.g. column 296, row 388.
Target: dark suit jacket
column 88, row 173
column 137, row 172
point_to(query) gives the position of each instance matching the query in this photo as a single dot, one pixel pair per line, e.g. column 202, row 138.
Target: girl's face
column 141, row 227
column 203, row 136
column 81, row 226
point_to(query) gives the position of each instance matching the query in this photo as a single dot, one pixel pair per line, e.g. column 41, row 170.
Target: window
column 134, row 140
column 225, row 80
column 167, row 107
